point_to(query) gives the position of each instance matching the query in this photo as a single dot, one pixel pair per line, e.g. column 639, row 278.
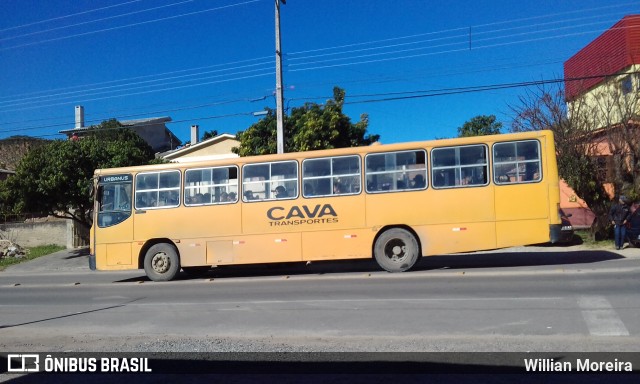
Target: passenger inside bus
column 308, row 189
column 248, row 195
column 281, row 192
column 418, row 181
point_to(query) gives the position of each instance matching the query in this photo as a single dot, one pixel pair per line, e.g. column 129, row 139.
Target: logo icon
column 24, row 363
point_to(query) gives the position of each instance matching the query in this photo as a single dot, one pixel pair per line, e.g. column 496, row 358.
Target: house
column 604, row 77
column 153, row 130
column 218, row 147
column 615, row 54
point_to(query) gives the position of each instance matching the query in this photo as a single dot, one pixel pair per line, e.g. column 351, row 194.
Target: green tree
column 209, row 135
column 479, row 126
column 55, row 179
column 309, row 127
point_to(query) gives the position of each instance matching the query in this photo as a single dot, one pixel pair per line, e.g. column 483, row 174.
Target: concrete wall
column 58, row 232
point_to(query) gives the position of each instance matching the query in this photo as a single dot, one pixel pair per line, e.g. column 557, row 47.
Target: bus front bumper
column 92, row 262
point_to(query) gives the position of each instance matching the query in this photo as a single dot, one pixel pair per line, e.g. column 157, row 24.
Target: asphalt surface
column 539, row 260
column 77, row 260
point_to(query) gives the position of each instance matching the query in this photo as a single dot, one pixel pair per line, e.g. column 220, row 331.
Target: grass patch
column 34, row 253
column 589, row 242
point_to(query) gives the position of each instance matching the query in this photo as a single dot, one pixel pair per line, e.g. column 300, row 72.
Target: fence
column 30, row 231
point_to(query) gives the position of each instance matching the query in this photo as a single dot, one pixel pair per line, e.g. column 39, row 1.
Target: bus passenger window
column 517, row 162
column 396, row 171
column 206, row 186
column 464, row 166
column 268, row 181
column 331, row 176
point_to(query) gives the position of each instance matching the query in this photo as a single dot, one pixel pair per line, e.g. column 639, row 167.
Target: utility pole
column 279, row 87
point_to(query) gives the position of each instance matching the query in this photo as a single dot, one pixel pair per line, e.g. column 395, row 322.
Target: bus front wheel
column 161, row 262
column 396, row 250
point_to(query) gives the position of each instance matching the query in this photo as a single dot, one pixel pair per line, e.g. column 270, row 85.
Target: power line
column 130, row 79
column 465, row 29
column 173, row 122
column 372, row 97
column 393, row 96
column 313, row 68
column 96, row 20
column 130, row 25
column 149, row 91
column 141, row 85
column 93, row 92
column 164, row 111
column 463, row 44
column 67, row 16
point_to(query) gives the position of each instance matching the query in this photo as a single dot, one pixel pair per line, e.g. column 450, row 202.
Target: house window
column 626, row 85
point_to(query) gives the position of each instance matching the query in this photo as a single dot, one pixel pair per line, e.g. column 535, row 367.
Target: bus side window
column 268, row 181
column 463, row 166
column 157, row 189
column 517, row 162
column 331, row 176
column 396, row 171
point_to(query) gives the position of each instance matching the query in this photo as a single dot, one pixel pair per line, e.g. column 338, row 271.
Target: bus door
column 114, row 226
column 522, row 195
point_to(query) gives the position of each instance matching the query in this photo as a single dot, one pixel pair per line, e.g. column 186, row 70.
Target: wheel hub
column 160, row 263
column 396, row 250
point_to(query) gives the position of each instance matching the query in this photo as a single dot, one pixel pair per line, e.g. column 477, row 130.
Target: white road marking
column 601, row 318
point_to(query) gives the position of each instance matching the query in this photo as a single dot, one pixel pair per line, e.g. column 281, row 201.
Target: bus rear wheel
column 161, row 262
column 396, row 250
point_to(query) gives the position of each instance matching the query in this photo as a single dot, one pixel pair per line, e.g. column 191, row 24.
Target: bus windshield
column 114, row 200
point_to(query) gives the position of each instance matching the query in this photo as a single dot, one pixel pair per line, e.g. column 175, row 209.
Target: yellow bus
column 394, row 203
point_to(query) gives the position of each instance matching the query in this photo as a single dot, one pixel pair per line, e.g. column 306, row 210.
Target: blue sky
column 211, row 62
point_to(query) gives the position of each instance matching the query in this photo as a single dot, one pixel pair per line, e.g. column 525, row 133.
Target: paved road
column 518, row 299
column 449, row 300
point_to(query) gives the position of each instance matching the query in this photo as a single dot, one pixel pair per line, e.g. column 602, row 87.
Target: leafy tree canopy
column 55, row 179
column 309, row 127
column 209, row 134
column 479, row 126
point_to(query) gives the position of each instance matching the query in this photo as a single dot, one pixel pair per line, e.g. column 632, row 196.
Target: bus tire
column 396, row 250
column 161, row 262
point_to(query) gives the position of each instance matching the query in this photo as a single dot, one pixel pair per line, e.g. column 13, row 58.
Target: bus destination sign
column 116, row 179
